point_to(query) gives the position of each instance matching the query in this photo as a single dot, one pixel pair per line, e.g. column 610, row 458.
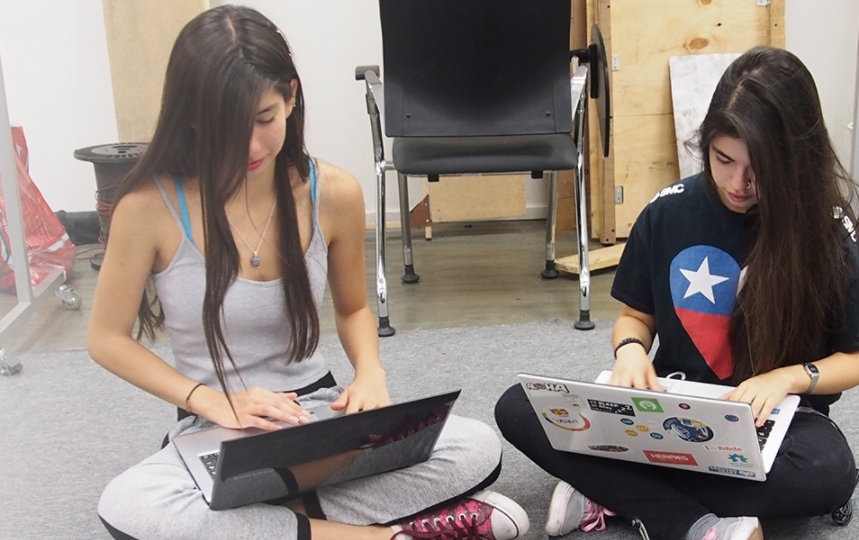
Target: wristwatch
column 814, row 373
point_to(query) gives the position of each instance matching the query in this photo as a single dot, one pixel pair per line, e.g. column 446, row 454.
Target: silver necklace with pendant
column 255, row 261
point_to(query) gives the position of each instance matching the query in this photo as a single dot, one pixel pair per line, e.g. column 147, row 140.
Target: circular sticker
column 688, row 429
column 642, row 428
column 627, row 421
column 731, row 418
column 566, row 420
column 685, row 406
column 657, row 436
column 632, row 433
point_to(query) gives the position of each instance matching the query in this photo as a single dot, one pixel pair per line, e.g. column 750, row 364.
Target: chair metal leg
column 385, row 328
column 409, row 275
column 551, row 224
column 584, row 322
column 374, row 100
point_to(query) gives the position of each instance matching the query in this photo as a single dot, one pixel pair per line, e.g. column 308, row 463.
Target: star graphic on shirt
column 702, row 281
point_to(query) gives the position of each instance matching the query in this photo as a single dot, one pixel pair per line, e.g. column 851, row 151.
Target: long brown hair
column 797, row 265
column 222, row 63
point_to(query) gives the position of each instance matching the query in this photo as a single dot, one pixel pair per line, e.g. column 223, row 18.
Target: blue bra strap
column 183, row 208
column 313, row 185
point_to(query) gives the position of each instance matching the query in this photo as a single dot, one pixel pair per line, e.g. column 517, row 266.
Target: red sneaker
column 484, row 515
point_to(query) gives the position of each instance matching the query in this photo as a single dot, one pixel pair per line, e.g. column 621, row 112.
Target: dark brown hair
column 797, row 265
column 222, row 63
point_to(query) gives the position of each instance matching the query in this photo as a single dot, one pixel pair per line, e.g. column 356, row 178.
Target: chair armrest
column 375, row 88
column 361, row 72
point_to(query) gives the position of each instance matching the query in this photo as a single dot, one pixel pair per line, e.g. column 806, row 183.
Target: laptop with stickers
column 686, row 427
column 234, row 467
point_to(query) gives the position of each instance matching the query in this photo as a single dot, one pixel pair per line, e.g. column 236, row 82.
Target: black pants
column 813, row 475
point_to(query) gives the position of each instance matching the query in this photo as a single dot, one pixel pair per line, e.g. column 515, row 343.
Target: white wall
column 57, row 79
column 825, row 35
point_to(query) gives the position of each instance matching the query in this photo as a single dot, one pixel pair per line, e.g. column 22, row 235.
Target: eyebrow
column 724, row 155
column 268, row 109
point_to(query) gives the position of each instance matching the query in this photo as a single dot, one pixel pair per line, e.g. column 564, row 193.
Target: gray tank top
column 255, row 318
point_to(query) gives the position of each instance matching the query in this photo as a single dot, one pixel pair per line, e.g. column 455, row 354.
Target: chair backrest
column 476, row 67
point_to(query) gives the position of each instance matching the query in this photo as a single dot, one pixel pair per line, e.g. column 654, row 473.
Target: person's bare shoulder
column 339, row 189
column 142, row 214
column 341, row 199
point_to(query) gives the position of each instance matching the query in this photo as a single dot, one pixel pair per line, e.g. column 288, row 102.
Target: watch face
column 811, row 369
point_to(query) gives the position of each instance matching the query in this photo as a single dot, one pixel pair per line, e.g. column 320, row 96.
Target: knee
column 828, row 477
column 139, row 501
column 473, row 442
column 511, row 409
column 833, row 477
column 117, row 506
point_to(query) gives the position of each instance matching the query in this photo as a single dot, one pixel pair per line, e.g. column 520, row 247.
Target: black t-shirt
column 683, row 264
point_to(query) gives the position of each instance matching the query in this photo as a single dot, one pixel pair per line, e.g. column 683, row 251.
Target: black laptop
column 237, row 467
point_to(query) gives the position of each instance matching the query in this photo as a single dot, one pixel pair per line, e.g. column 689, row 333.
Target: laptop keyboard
column 210, row 461
column 764, row 432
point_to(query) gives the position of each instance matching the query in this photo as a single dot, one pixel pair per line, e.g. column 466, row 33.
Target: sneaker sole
column 555, row 517
column 750, row 530
column 506, row 506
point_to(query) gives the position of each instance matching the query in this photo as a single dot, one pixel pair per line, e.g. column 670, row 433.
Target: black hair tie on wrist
column 627, row 341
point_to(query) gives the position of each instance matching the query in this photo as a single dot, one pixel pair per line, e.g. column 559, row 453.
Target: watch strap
column 813, row 373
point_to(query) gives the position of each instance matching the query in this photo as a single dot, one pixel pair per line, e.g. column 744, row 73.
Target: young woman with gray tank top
column 224, row 234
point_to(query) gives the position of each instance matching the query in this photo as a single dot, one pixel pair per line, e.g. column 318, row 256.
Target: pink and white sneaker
column 569, row 510
column 483, row 515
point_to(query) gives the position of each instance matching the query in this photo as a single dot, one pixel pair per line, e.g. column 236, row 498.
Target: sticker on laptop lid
column 669, row 458
column 547, row 387
column 688, row 429
column 566, row 419
column 613, row 448
column 647, row 404
column 599, row 405
column 734, row 472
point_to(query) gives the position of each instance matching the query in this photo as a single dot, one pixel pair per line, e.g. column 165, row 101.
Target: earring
column 748, row 185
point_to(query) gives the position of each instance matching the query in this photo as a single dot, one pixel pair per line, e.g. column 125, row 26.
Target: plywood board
column 640, row 37
column 598, row 259
column 463, row 198
column 140, row 35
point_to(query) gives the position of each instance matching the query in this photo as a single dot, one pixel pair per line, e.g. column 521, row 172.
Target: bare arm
column 130, row 255
column 632, row 366
column 142, row 232
column 343, row 220
column 838, row 372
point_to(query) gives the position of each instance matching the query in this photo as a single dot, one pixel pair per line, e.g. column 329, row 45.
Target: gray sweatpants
column 158, row 499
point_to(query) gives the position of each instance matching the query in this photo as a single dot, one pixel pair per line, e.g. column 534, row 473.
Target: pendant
column 254, row 261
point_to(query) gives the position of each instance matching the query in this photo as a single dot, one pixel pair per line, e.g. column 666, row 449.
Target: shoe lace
column 463, row 526
column 594, row 518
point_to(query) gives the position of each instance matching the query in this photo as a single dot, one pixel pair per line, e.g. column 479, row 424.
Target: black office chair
column 472, row 87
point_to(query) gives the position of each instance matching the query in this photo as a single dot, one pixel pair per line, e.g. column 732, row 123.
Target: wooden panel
column 462, row 198
column 644, row 39
column 646, row 161
column 598, row 259
column 640, row 37
column 140, row 35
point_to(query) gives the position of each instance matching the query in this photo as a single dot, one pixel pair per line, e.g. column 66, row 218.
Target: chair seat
column 464, row 155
